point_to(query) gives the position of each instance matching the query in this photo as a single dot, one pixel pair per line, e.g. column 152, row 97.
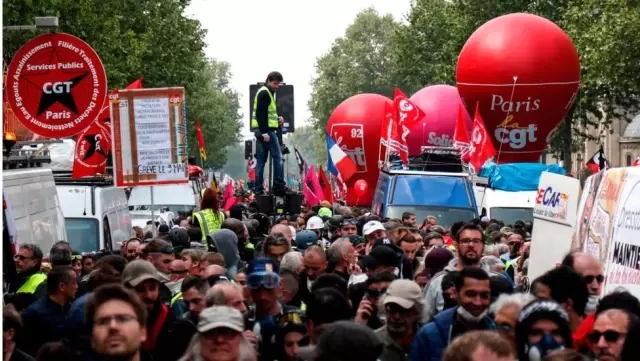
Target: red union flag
column 92, row 149
column 481, row 149
column 349, row 137
column 408, row 114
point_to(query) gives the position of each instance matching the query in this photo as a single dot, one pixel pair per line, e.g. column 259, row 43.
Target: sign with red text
column 149, row 137
column 56, row 85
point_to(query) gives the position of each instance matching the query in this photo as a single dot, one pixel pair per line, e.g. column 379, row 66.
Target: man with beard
column 403, row 309
column 116, row 318
column 474, row 296
column 167, row 336
column 470, row 246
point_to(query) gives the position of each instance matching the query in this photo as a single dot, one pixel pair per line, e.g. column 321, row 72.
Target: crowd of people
column 330, row 283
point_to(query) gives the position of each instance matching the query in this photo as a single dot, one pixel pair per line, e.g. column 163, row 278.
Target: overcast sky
column 302, row 30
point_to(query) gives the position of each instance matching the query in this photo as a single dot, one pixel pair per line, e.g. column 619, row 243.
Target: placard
column 149, row 135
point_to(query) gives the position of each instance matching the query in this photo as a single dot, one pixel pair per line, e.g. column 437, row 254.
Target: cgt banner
column 56, row 85
column 554, row 215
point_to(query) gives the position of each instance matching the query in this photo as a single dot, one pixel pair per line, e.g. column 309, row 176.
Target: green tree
column 148, row 38
column 358, row 62
column 311, row 144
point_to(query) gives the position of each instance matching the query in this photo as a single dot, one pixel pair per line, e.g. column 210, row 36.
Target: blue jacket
column 76, row 330
column 43, row 322
column 434, row 337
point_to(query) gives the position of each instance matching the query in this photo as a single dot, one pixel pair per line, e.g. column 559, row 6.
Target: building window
column 629, row 160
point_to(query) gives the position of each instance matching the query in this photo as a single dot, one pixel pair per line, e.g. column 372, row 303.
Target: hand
column 281, row 120
column 365, row 310
column 266, row 138
column 355, row 269
column 251, row 337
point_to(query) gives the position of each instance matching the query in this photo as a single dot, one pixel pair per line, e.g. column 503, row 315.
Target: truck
column 436, row 183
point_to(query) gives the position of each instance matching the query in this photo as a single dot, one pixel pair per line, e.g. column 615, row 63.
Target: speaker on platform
column 265, row 204
column 293, row 203
column 248, row 149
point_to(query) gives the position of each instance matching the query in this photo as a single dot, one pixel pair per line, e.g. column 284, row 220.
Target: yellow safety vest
column 303, row 307
column 32, row 283
column 272, row 110
column 208, row 222
column 176, row 298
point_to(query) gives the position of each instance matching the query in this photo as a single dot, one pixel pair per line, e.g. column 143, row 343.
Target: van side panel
column 381, row 194
column 433, row 190
column 115, row 208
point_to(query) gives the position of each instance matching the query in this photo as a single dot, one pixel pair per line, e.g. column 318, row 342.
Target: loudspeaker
column 248, row 149
column 266, row 203
column 293, row 203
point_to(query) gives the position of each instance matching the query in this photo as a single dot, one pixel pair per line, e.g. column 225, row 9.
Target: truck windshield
column 83, row 234
column 509, row 215
column 446, row 216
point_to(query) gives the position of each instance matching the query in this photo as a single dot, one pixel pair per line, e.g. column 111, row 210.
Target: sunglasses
column 21, row 257
column 374, row 293
column 291, row 318
column 267, row 280
column 609, row 336
column 589, row 279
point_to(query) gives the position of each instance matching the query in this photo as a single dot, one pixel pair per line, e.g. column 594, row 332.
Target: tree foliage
column 311, row 144
column 146, row 38
column 358, row 62
column 423, row 50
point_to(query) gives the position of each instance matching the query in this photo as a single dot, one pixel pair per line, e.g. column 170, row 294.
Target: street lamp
column 42, row 23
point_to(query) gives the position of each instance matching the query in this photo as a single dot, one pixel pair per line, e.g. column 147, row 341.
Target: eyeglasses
column 393, row 309
column 590, row 278
column 504, row 327
column 291, row 318
column 21, row 257
column 609, row 336
column 120, row 320
column 470, row 241
column 374, row 293
column 266, row 280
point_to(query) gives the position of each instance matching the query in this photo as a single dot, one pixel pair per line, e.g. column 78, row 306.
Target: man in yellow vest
column 265, row 118
column 28, row 261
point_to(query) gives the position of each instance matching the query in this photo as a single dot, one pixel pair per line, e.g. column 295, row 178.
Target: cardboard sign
column 149, row 135
column 56, row 85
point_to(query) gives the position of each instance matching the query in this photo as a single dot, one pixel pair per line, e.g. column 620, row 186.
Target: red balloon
column 360, row 187
column 440, row 105
column 355, row 126
column 524, row 72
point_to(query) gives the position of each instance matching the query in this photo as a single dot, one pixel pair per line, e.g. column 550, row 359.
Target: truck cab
column 434, row 184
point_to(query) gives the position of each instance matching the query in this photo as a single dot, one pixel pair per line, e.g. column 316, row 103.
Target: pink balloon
column 440, row 104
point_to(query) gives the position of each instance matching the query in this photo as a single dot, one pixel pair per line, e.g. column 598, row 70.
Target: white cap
column 315, row 222
column 371, row 227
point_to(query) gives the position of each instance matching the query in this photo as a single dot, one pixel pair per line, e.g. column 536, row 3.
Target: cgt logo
column 514, row 135
column 549, row 198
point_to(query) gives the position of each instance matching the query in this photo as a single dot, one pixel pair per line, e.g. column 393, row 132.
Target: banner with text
column 149, row 135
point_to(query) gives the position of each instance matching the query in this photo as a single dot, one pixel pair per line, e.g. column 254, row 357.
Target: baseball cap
column 139, row 271
column 405, row 293
column 344, row 340
column 371, row 227
column 383, row 256
column 220, row 317
column 315, row 222
column 263, row 272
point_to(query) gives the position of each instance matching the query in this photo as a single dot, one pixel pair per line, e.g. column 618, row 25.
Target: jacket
column 173, row 340
column 434, row 337
column 75, row 329
column 43, row 322
column 433, row 300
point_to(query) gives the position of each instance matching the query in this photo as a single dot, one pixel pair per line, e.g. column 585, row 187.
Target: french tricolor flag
column 339, row 162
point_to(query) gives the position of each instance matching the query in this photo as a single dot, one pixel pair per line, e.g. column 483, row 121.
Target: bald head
column 315, row 251
column 589, row 268
column 213, row 270
column 284, row 230
column 236, row 226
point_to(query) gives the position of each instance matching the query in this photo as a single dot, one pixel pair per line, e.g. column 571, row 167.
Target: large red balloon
column 440, row 104
column 355, row 126
column 524, row 72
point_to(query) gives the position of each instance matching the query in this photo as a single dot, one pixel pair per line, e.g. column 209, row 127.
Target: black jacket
column 173, row 340
column 43, row 322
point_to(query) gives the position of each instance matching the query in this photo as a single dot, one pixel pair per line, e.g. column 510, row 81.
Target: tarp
column 62, row 155
column 516, row 177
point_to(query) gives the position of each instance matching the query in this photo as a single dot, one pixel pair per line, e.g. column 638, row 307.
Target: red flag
column 200, row 136
column 481, row 148
column 389, row 135
column 326, row 186
column 408, row 114
column 92, row 149
column 307, row 191
column 228, row 199
column 461, row 135
column 636, row 163
column 104, row 113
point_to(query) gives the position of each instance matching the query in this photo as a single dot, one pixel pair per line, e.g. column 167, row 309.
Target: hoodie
column 226, row 243
column 433, row 300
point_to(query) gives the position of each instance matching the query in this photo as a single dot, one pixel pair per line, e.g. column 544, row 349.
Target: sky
column 302, row 30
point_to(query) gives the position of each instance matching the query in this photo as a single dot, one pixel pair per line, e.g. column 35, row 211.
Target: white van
column 35, row 206
column 180, row 199
column 96, row 213
column 505, row 206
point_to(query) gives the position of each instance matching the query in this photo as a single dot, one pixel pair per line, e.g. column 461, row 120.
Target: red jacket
column 580, row 338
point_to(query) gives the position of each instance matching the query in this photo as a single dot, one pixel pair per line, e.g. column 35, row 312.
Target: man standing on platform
column 265, row 118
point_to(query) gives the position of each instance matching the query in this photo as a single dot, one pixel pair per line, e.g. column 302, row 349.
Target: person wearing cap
column 167, row 335
column 473, row 293
column 403, row 309
column 220, row 337
column 325, row 212
column 349, row 227
column 333, row 226
column 344, row 340
column 305, row 239
column 542, row 326
column 371, row 231
column 264, row 281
